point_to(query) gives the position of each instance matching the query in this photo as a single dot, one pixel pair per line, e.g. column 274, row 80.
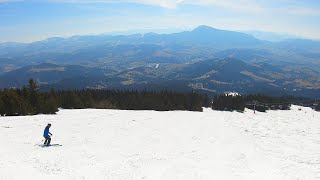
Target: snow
column 232, row 94
column 179, row 145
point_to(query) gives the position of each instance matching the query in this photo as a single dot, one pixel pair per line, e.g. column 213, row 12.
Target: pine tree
column 2, row 110
column 33, row 96
column 50, row 103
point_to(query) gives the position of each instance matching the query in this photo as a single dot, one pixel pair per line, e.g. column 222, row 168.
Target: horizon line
column 150, row 30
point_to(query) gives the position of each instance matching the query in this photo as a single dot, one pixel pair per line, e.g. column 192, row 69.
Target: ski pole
column 39, row 143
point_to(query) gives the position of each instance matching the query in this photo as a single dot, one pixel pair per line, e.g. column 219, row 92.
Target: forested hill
column 205, row 59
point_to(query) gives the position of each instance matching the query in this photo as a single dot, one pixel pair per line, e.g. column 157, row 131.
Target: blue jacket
column 46, row 132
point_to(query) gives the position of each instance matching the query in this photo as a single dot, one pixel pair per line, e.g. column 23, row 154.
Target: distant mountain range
column 271, row 36
column 205, row 58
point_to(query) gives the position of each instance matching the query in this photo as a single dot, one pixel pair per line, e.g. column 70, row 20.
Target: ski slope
column 150, row 145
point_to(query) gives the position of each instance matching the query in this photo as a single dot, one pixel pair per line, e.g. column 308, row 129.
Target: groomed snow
column 114, row 144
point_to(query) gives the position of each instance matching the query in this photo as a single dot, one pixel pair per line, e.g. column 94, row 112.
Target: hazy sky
column 30, row 20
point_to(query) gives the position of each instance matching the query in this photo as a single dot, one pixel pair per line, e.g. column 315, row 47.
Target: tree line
column 30, row 101
column 260, row 103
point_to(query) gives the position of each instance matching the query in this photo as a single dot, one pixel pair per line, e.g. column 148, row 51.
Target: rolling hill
column 205, row 58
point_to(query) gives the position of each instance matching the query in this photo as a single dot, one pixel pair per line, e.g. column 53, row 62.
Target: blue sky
column 31, row 20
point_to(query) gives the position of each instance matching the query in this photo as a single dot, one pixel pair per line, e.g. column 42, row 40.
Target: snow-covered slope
column 114, row 144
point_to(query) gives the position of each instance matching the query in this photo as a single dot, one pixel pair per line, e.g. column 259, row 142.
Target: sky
column 32, row 20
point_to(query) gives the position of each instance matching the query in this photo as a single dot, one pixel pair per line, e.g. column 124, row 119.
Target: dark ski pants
column 47, row 141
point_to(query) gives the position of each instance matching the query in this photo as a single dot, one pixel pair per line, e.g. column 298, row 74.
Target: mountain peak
column 204, row 28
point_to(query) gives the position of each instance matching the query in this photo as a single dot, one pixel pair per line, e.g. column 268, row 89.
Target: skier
column 47, row 135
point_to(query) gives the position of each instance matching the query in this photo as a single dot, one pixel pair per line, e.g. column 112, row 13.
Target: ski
column 42, row 145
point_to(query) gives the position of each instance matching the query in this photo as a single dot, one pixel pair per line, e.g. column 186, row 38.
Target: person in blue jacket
column 47, row 135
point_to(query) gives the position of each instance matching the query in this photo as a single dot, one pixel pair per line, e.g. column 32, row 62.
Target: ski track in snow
column 177, row 145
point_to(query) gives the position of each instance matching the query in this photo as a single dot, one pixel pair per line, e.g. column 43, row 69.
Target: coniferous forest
column 260, row 103
column 29, row 100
